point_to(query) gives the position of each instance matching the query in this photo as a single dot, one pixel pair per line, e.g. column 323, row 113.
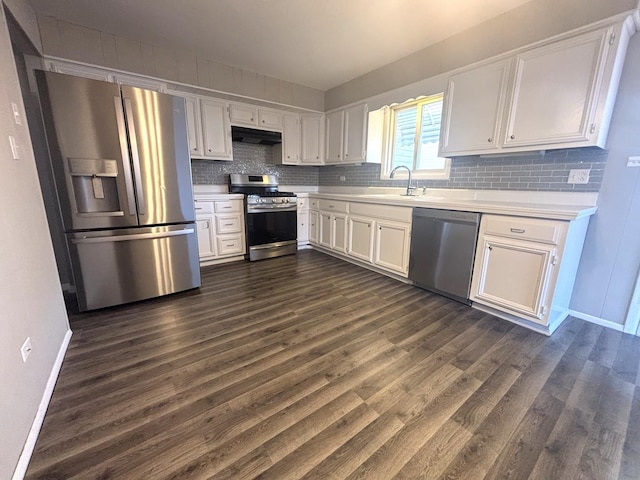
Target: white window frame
column 387, row 160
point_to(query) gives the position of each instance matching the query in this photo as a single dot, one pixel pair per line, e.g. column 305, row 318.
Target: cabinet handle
column 230, row 245
column 489, row 247
column 199, row 208
column 228, row 224
column 512, row 137
column 517, row 230
column 489, row 139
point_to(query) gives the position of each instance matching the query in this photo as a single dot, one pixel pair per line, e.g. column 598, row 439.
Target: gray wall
column 75, row 42
column 529, row 23
column 611, row 256
column 531, row 172
column 30, row 294
column 248, row 158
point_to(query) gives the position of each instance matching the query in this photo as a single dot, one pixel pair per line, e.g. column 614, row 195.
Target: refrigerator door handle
column 124, row 149
column 133, row 236
column 142, row 206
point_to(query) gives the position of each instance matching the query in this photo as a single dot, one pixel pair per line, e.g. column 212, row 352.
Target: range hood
column 258, row 137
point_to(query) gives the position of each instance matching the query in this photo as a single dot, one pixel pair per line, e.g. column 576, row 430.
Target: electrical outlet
column 14, row 148
column 343, row 178
column 633, row 162
column 579, row 176
column 25, row 349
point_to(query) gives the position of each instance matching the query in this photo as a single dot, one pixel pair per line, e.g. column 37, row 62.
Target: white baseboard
column 29, row 445
column 597, row 320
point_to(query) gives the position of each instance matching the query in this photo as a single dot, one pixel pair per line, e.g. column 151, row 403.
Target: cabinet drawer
column 313, row 203
column 544, row 231
column 333, row 206
column 203, row 207
column 228, row 223
column 230, row 244
column 228, row 206
column 302, row 203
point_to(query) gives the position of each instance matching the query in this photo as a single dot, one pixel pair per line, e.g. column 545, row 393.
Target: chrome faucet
column 410, row 188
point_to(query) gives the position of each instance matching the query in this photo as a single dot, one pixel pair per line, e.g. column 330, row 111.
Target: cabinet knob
column 489, row 139
column 489, row 247
column 512, row 137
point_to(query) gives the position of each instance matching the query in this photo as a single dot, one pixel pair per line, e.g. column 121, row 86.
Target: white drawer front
column 228, row 206
column 228, row 223
column 230, row 245
column 203, row 207
column 333, row 206
column 533, row 229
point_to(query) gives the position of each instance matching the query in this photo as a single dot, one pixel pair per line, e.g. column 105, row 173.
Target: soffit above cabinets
column 316, row 44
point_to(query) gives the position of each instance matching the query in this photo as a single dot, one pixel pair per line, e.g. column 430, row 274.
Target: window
column 414, row 133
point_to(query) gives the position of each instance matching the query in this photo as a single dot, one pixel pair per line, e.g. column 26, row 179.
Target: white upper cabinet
column 555, row 92
column 473, row 109
column 288, row 152
column 346, row 132
column 254, row 116
column 558, row 95
column 333, row 130
column 194, row 126
column 216, row 130
column 312, row 140
column 355, row 134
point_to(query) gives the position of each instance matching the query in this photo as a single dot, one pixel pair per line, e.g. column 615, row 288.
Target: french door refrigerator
column 120, row 160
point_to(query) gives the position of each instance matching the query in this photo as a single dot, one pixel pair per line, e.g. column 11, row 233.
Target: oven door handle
column 271, row 210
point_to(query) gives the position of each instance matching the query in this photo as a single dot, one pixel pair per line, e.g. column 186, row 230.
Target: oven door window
column 271, row 227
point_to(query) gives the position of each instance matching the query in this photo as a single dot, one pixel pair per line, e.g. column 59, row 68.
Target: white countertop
column 559, row 206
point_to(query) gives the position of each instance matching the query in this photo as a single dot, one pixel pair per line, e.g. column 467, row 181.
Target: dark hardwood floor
column 310, row 367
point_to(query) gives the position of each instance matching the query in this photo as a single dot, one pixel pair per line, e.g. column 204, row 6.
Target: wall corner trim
column 597, row 320
column 30, row 443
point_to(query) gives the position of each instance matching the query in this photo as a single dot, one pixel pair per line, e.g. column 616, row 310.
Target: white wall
column 74, row 42
column 529, row 23
column 611, row 255
column 30, row 294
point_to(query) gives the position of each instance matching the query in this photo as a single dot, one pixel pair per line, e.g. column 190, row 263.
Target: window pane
column 404, row 137
column 429, row 137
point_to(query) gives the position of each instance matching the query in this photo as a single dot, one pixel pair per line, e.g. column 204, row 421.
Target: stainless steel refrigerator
column 120, row 160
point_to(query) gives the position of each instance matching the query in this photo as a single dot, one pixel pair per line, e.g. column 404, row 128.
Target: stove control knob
column 286, row 200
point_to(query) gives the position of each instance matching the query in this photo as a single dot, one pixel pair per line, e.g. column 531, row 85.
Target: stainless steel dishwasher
column 443, row 245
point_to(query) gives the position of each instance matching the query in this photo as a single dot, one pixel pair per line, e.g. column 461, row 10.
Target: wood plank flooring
column 310, row 367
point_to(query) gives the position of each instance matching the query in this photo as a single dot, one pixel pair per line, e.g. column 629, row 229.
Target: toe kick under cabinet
column 220, row 225
column 525, row 268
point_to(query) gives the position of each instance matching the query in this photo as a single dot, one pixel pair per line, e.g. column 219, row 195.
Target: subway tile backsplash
column 548, row 172
column 248, row 158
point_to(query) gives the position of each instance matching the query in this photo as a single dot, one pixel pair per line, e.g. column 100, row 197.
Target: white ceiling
column 317, row 43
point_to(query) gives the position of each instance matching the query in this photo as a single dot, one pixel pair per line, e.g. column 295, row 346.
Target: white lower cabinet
column 525, row 268
column 378, row 235
column 220, row 225
column 361, row 238
column 314, row 226
column 303, row 221
column 392, row 243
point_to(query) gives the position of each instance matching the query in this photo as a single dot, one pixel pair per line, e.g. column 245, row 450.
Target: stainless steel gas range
column 270, row 216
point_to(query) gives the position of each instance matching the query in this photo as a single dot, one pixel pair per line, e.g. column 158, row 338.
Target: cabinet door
column 360, row 238
column 473, row 108
column 269, row 119
column 513, row 276
column 339, row 237
column 333, row 131
column 311, row 149
column 216, row 130
column 194, row 126
column 392, row 246
column 290, row 140
column 326, row 231
column 355, row 134
column 204, row 227
column 303, row 226
column 243, row 115
column 313, row 226
column 555, row 91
